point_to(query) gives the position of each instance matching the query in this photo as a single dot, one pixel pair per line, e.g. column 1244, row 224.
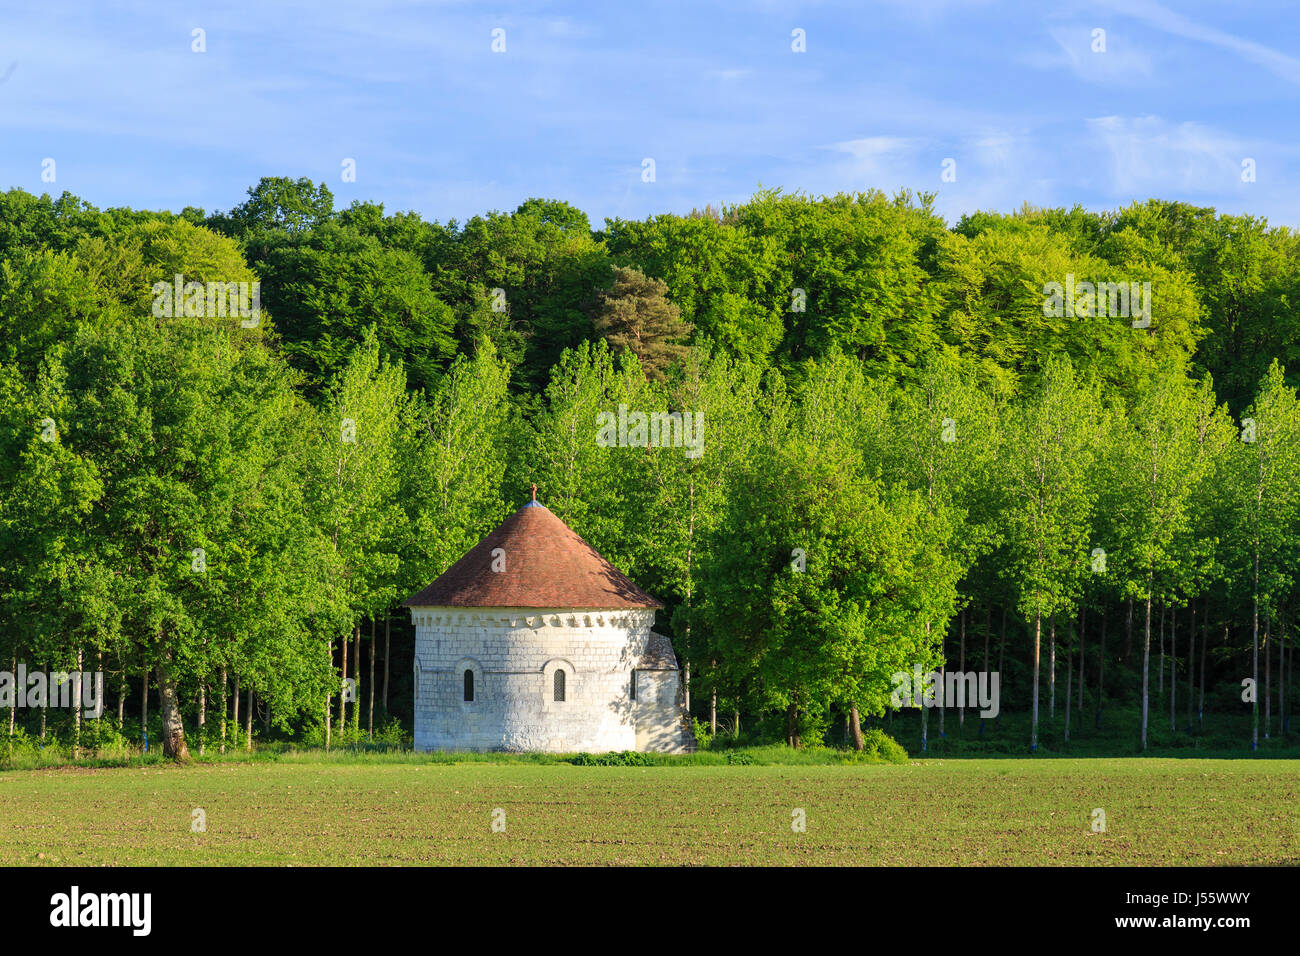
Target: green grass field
column 313, row 810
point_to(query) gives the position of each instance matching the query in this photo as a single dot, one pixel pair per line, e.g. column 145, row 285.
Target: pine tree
column 635, row 315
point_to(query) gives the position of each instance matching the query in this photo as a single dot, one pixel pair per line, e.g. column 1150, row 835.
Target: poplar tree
column 942, row 438
column 355, row 475
column 1049, row 451
column 1264, row 471
column 1164, row 464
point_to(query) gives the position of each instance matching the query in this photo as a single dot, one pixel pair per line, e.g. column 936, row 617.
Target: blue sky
column 439, row 123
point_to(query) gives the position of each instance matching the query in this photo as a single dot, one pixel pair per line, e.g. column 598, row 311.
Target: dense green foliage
column 892, row 441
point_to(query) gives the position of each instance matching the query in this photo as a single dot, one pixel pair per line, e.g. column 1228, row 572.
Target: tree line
column 901, row 447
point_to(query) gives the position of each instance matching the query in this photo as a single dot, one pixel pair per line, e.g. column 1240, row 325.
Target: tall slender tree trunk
column 1225, row 639
column 961, row 669
column 173, row 730
column 388, row 626
column 343, row 690
column 248, row 722
column 1101, row 667
column 1051, row 671
column 370, row 717
column 713, row 698
column 925, row 710
column 1128, row 632
column 1254, row 652
column 203, row 715
column 1069, row 680
column 144, row 707
column 356, row 672
column 1284, row 680
column 1038, row 640
column 855, row 728
column 13, row 701
column 1083, row 641
column 1268, row 675
column 121, row 700
column 45, row 706
column 943, row 666
column 1173, row 668
column 1290, row 679
column 1191, row 662
column 225, row 684
column 1146, row 664
column 234, row 718
column 792, row 725
column 1205, row 653
column 76, row 708
column 988, row 633
column 1002, row 653
column 1161, row 690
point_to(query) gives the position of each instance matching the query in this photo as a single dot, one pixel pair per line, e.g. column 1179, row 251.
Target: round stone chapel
column 534, row 642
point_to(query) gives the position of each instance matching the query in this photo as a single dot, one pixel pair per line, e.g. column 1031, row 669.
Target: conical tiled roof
column 546, row 566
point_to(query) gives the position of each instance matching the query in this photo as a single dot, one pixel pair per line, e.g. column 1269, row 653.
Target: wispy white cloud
column 1119, row 63
column 439, row 123
column 1150, row 155
column 869, row 149
column 1171, row 22
column 731, row 75
column 929, row 11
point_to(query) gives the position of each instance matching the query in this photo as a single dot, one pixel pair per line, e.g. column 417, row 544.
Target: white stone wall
column 514, row 656
column 659, row 712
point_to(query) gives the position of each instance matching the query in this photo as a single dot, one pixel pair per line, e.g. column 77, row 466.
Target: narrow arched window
column 469, row 685
column 559, row 685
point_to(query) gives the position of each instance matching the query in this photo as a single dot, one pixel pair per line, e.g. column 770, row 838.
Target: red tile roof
column 546, row 566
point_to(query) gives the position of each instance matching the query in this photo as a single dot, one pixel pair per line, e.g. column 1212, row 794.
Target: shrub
column 878, row 745
column 626, row 758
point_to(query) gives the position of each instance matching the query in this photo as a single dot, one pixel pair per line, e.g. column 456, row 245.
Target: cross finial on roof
column 534, row 491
